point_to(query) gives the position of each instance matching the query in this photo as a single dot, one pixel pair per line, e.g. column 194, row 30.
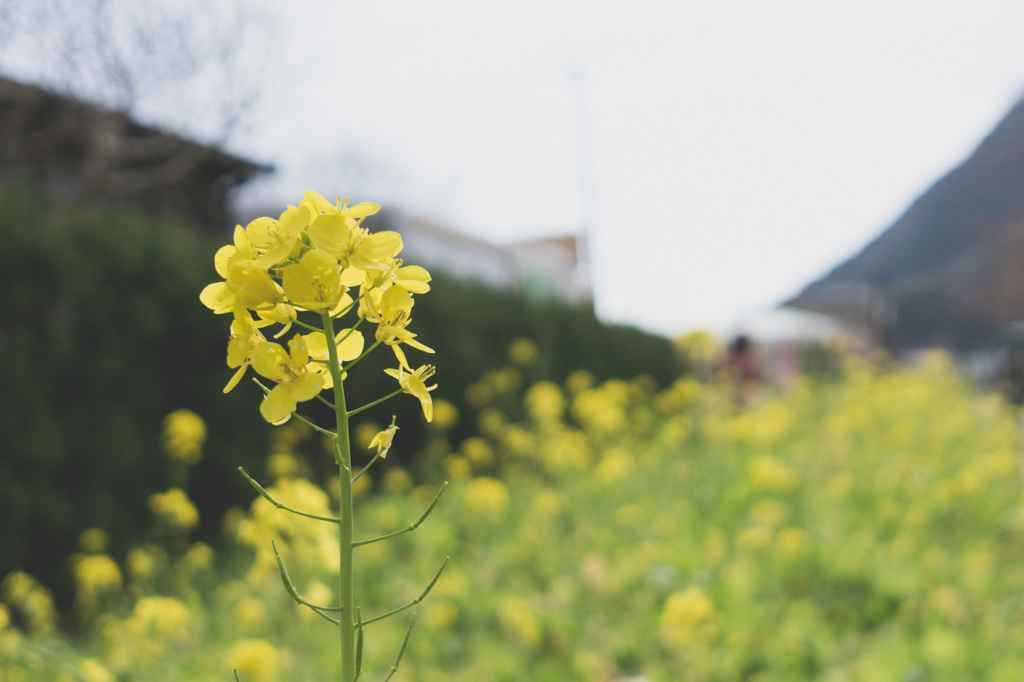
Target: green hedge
column 102, row 334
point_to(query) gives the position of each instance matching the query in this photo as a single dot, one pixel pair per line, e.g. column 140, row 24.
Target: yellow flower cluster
column 155, row 626
column 308, row 543
column 174, row 508
column 95, row 575
column 255, row 659
column 687, row 615
column 184, row 435
column 310, row 259
column 30, row 600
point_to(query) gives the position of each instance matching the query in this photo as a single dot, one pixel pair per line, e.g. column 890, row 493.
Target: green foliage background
column 102, row 334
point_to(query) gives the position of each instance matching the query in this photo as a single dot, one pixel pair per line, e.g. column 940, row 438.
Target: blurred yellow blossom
column 517, row 616
column 154, row 627
column 174, row 508
column 603, row 409
column 792, row 542
column 755, row 538
column 544, row 402
column 198, row 556
column 317, row 593
column 360, row 487
column 363, row 434
column 10, row 636
column 250, row 613
column 614, row 464
column 283, row 465
column 93, row 540
column 183, row 436
column 94, row 671
column 770, row 473
column 491, row 422
column 523, row 351
column 31, row 601
column 446, row 415
column 579, row 380
column 566, row 450
column 486, row 498
column 396, row 480
column 477, row 451
column 255, row 659
column 457, row 467
column 440, row 614
column 687, row 616
column 143, row 562
column 768, row 512
column 95, row 575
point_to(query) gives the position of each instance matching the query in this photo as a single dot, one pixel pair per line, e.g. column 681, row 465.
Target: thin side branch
column 270, row 498
column 288, row 585
column 412, row 526
column 414, row 602
column 378, row 401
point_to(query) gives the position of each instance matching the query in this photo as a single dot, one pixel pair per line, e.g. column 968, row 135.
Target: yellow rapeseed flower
column 275, row 240
column 143, row 562
column 184, row 435
column 396, row 480
column 413, row 383
column 486, row 498
column 523, row 351
column 544, row 402
column 314, row 283
column 446, row 415
column 686, row 616
column 31, row 600
column 175, row 508
column 255, row 659
column 93, row 540
column 382, row 441
column 518, row 617
column 95, row 575
column 295, row 381
column 243, row 338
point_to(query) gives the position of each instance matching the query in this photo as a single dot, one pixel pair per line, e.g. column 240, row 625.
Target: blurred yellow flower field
column 865, row 527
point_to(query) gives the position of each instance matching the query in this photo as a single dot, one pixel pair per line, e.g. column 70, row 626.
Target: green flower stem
column 414, row 602
column 314, row 426
column 270, row 498
column 327, row 402
column 344, row 311
column 343, row 455
column 411, row 527
column 365, row 468
column 351, row 330
column 378, row 401
column 302, row 324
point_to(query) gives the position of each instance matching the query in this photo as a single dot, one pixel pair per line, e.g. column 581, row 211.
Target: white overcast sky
column 719, row 154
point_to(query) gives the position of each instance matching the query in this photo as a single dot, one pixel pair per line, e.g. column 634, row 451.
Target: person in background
column 741, row 369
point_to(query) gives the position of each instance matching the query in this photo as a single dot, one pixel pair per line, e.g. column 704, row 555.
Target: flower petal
column 279, row 404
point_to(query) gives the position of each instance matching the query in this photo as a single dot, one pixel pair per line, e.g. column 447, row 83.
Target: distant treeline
column 102, row 334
